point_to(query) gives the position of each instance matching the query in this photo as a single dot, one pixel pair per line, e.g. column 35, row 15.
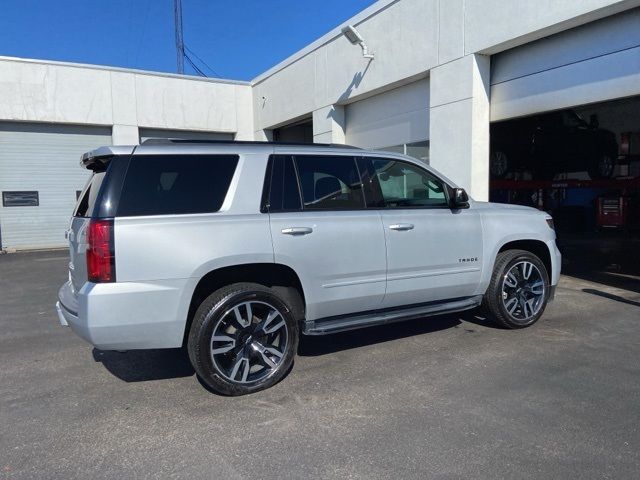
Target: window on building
column 20, row 199
column 418, row 150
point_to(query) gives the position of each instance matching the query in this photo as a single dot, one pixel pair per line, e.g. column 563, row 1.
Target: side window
column 176, row 184
column 284, row 194
column 330, row 182
column 87, row 199
column 405, row 185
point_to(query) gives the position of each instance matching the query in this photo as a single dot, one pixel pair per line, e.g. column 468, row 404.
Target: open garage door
column 582, row 165
column 157, row 133
column 40, row 176
column 565, row 138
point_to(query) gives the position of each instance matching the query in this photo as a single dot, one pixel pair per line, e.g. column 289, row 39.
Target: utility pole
column 177, row 13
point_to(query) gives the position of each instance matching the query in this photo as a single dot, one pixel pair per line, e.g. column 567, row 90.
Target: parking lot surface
column 441, row 397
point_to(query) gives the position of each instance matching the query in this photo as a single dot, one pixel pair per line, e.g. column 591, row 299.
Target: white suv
column 234, row 249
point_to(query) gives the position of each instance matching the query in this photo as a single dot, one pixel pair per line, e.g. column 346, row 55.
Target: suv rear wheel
column 518, row 291
column 243, row 339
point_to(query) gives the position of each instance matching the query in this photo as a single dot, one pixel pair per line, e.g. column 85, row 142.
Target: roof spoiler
column 99, row 158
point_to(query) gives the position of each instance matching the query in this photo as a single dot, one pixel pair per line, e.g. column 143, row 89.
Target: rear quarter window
column 87, row 198
column 176, row 184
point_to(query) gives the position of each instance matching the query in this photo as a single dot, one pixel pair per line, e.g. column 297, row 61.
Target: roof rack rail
column 170, row 141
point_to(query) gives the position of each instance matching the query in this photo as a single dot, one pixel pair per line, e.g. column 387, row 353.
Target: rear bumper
column 63, row 313
column 127, row 315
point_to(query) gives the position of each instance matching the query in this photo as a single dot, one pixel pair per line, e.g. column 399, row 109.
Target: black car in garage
column 551, row 143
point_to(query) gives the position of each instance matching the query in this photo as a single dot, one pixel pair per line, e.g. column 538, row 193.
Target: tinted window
column 176, row 184
column 284, row 193
column 88, row 197
column 370, row 184
column 329, row 182
column 405, row 185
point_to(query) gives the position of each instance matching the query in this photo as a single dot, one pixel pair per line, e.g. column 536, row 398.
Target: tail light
column 101, row 259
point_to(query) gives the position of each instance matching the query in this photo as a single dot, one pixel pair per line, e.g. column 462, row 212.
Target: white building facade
column 443, row 71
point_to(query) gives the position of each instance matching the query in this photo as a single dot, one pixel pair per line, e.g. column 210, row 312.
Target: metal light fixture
column 356, row 39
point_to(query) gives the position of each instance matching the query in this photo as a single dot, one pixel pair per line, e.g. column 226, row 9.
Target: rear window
column 87, row 199
column 176, row 184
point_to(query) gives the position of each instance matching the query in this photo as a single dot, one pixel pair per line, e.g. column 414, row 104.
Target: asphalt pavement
column 441, row 397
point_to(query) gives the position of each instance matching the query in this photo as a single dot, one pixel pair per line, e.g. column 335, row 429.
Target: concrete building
column 443, row 71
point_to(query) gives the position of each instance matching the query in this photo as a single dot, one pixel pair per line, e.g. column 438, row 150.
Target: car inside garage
column 565, row 138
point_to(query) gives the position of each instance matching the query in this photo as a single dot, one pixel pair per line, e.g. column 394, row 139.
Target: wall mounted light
column 356, row 39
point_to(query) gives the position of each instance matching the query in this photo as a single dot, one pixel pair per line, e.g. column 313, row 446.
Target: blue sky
column 238, row 39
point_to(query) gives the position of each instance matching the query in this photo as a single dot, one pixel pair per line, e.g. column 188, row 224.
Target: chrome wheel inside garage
column 523, row 291
column 498, row 164
column 606, row 166
column 249, row 342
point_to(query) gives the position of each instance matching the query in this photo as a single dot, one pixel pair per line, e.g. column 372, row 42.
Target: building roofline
column 326, row 38
column 123, row 70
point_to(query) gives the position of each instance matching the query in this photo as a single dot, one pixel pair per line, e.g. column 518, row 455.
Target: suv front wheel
column 243, row 339
column 518, row 291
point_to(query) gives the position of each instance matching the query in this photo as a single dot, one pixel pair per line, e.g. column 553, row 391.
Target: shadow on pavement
column 611, row 296
column 144, row 365
column 161, row 364
column 311, row 346
column 609, row 258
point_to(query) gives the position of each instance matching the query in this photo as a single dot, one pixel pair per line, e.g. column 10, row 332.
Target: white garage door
column 592, row 63
column 39, row 175
column 149, row 133
column 396, row 117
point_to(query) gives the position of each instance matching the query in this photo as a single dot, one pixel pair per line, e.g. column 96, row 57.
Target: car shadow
column 311, row 346
column 144, row 365
column 162, row 364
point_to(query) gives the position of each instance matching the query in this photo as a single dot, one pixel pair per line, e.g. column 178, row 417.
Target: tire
column 248, row 353
column 531, row 293
column 499, row 164
column 603, row 167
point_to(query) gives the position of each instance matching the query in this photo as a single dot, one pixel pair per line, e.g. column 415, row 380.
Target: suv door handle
column 401, row 226
column 297, row 230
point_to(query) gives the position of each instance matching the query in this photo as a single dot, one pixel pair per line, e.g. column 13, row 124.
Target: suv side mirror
column 460, row 198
